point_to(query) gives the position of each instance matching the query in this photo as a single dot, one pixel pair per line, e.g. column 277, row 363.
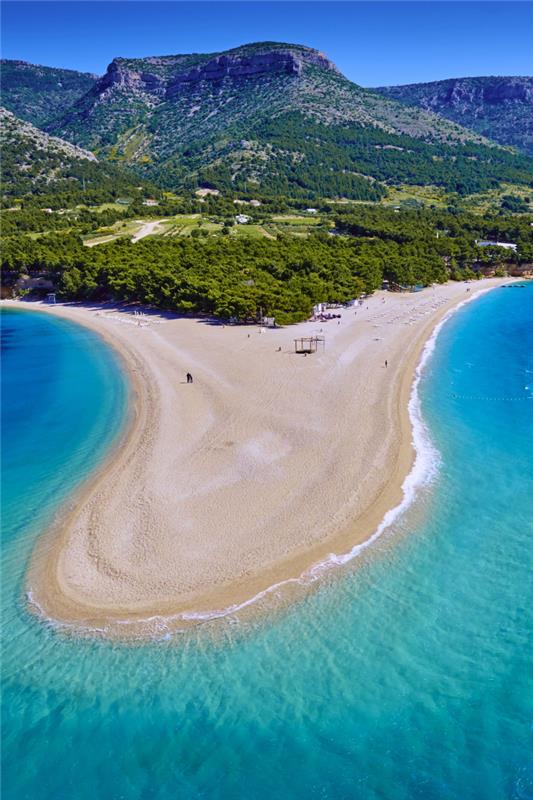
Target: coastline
column 54, row 583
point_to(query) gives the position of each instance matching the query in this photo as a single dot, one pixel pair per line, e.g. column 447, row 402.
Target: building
column 242, row 219
column 505, row 245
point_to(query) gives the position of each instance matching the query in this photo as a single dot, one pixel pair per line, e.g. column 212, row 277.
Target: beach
column 251, row 475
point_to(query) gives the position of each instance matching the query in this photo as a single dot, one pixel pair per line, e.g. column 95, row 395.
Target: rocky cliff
column 166, row 76
column 500, row 108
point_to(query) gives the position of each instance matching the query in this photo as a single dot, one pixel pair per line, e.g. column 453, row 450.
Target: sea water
column 405, row 675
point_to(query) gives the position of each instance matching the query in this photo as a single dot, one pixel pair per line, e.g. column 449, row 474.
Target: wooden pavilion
column 309, row 344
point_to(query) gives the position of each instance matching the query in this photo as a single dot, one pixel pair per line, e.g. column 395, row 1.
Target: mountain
column 272, row 118
column 36, row 164
column 500, row 108
column 39, row 94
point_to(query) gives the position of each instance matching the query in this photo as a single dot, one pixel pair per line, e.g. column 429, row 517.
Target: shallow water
column 405, row 676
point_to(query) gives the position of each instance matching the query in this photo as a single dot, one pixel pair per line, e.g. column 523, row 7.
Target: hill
column 38, row 94
column 35, row 164
column 500, row 108
column 271, row 119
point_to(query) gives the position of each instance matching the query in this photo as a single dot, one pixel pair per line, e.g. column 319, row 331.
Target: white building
column 242, row 219
column 506, row 245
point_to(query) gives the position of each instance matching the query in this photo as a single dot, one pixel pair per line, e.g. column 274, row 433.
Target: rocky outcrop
column 174, row 73
column 120, row 75
column 461, row 91
column 498, row 107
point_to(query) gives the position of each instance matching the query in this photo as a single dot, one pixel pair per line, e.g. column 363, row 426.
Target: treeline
column 449, row 235
column 231, row 277
column 32, row 214
column 462, row 168
column 225, row 277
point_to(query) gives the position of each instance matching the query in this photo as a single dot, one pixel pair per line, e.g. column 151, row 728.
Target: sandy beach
column 263, row 466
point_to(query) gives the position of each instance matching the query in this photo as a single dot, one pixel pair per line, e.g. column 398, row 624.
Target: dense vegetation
column 274, row 128
column 310, row 159
column 39, row 167
column 39, row 94
column 230, row 277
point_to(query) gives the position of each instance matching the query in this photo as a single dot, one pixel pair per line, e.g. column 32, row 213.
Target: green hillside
column 39, row 94
column 44, row 168
column 272, row 119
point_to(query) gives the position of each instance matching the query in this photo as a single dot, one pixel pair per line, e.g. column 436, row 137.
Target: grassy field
column 491, row 201
column 483, row 203
column 126, row 228
column 295, row 224
column 291, row 219
column 106, row 207
column 185, row 224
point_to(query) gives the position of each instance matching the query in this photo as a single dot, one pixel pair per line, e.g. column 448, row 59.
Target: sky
column 373, row 43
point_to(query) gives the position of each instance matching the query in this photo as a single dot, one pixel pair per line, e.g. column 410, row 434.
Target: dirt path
column 147, row 229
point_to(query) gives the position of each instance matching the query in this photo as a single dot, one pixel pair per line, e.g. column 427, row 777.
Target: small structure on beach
column 51, row 298
column 309, row 344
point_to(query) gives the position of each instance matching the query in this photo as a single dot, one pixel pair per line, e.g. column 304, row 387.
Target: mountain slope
column 39, row 94
column 500, row 108
column 200, row 94
column 274, row 119
column 36, row 164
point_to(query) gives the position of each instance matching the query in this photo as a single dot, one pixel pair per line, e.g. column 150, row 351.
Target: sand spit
column 263, row 467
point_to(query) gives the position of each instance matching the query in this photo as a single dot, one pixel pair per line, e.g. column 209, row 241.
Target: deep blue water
column 405, row 676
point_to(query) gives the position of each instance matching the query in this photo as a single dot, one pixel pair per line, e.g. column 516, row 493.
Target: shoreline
column 51, row 596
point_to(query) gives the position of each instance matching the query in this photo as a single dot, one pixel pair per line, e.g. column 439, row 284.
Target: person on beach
column 386, row 363
column 189, row 378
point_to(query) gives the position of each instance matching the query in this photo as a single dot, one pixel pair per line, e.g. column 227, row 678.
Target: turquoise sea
column 406, row 674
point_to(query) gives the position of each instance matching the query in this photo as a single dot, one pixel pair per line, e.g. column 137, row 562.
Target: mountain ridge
column 265, row 118
column 497, row 106
column 158, row 79
column 271, row 118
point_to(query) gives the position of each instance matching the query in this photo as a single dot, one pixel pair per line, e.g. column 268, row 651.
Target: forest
column 230, row 277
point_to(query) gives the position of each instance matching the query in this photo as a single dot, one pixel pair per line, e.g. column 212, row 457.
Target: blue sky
column 373, row 43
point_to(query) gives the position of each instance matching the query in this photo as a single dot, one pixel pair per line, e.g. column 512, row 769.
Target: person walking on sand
column 189, row 378
column 386, row 363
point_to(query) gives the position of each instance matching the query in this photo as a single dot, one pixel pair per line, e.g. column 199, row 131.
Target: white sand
column 264, row 465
